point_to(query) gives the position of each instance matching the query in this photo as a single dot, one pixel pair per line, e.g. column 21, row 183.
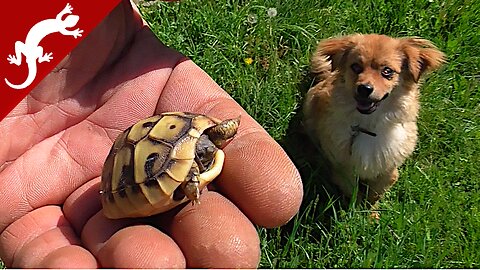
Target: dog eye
column 356, row 68
column 387, row 73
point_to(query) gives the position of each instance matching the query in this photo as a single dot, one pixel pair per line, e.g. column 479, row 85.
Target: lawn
column 431, row 218
column 259, row 52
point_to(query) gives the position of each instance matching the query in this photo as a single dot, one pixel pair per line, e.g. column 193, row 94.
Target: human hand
column 54, row 143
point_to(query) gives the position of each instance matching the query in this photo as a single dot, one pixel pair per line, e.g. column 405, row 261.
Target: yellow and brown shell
column 153, row 166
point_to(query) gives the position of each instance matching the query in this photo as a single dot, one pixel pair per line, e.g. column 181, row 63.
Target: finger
column 258, row 176
column 51, row 245
column 261, row 179
column 82, row 204
column 141, row 246
column 115, row 244
column 69, row 257
column 215, row 234
column 27, row 241
column 99, row 229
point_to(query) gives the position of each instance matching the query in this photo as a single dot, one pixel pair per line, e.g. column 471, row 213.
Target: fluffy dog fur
column 363, row 110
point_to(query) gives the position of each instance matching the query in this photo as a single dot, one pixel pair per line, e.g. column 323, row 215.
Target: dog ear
column 330, row 54
column 421, row 56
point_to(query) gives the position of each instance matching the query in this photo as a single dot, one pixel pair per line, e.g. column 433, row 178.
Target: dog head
column 372, row 66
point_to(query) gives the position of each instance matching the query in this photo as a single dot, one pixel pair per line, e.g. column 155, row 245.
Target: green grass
column 431, row 218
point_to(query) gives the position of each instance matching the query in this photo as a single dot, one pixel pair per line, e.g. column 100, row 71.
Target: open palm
column 54, row 143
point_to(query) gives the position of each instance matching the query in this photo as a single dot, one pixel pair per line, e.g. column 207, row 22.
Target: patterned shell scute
column 148, row 162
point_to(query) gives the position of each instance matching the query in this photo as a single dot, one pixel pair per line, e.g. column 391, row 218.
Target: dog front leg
column 380, row 185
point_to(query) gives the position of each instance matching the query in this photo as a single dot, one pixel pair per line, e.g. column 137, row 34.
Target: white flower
column 272, row 12
column 252, row 18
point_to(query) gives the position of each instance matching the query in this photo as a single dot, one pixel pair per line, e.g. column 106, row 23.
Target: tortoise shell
column 150, row 163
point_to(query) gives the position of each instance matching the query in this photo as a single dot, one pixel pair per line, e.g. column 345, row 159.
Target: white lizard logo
column 33, row 52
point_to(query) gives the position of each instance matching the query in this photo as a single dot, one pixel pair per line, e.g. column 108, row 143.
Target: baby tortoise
column 163, row 161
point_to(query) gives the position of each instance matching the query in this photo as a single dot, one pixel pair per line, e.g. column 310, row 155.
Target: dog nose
column 364, row 90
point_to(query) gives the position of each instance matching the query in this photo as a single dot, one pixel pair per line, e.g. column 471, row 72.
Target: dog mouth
column 368, row 106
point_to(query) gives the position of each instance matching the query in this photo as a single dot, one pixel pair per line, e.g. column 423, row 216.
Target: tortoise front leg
column 196, row 182
column 190, row 186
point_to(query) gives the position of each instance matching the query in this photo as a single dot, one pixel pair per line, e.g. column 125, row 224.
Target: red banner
column 36, row 36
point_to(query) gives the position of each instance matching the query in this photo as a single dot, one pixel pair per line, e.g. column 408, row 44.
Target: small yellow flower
column 248, row 60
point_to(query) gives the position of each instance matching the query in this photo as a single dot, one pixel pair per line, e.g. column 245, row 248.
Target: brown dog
column 363, row 110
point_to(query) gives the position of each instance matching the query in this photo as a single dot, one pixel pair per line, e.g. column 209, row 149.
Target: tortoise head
column 225, row 130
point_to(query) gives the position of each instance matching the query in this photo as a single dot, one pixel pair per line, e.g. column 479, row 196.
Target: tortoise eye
column 388, row 73
column 357, row 68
